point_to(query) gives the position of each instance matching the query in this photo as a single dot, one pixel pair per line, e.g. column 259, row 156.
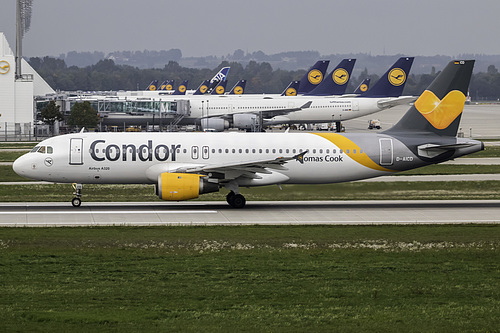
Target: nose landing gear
column 77, row 201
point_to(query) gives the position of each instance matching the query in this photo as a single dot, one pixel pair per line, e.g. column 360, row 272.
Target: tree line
column 105, row 75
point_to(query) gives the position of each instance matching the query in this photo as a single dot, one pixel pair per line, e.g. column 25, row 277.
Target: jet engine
column 183, row 186
column 246, row 121
column 214, row 124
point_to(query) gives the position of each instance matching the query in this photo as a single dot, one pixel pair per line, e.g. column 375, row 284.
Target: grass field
column 481, row 190
column 251, row 279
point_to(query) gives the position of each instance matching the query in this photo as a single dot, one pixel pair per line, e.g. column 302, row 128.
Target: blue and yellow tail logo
column 363, row 87
column 315, row 77
column 291, row 92
column 219, row 90
column 238, row 90
column 169, row 87
column 203, row 89
column 397, row 77
column 182, row 88
column 340, row 76
column 440, row 113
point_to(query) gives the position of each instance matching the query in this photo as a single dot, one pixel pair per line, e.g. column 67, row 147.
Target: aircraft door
column 355, row 105
column 76, row 151
column 386, row 152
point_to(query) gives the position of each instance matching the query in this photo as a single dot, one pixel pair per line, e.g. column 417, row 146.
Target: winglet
column 300, row 157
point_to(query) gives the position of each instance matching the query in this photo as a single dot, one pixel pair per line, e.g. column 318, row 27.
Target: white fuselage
column 128, row 158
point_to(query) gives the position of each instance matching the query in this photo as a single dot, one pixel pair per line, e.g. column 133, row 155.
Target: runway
column 258, row 212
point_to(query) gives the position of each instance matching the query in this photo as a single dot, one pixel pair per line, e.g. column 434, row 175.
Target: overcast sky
column 218, row 27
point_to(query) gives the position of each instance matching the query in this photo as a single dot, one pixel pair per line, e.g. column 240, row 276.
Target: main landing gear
column 236, row 200
column 77, row 201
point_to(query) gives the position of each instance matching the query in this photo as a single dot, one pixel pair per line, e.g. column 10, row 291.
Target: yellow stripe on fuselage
column 347, row 145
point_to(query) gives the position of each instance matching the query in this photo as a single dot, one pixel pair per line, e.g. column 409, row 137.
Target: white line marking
column 110, row 212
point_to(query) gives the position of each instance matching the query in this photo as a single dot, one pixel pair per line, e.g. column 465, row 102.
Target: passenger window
column 354, row 151
column 341, row 151
column 241, row 150
column 347, row 151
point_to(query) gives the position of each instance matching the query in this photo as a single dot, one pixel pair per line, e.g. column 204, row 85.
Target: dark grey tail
column 439, row 108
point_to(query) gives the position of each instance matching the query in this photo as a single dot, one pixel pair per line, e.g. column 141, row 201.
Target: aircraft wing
column 389, row 103
column 265, row 113
column 225, row 172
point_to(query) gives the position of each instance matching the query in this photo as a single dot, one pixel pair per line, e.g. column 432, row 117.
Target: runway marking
column 110, row 212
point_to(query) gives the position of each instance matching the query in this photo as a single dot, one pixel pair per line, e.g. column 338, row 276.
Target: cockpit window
column 42, row 150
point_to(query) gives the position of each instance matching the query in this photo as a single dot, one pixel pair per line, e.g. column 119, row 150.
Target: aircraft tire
column 76, row 202
column 238, row 201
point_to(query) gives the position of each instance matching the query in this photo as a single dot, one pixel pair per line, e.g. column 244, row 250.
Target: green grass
column 344, row 191
column 489, row 151
column 251, row 279
column 452, row 169
column 10, row 156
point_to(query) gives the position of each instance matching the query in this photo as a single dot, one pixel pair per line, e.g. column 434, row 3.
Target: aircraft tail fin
column 291, row 89
column 313, row 77
column 153, row 85
column 167, row 85
column 439, row 108
column 392, row 83
column 181, row 89
column 202, row 89
column 221, row 74
column 363, row 86
column 220, row 89
column 239, row 88
column 336, row 82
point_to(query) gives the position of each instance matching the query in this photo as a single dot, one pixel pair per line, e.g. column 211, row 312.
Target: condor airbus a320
column 185, row 165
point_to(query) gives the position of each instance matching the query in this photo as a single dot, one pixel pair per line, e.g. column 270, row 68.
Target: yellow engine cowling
column 182, row 186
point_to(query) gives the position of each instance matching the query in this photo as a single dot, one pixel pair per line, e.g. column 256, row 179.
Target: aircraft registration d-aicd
column 185, row 165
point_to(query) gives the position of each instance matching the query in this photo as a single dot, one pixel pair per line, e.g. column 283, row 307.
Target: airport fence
column 23, row 132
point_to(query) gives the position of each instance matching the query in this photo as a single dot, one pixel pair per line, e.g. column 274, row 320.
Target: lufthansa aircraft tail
column 363, row 86
column 336, row 82
column 313, row 77
column 202, row 89
column 439, row 108
column 392, row 83
column 181, row 89
column 291, row 89
column 167, row 85
column 239, row 88
column 153, row 85
column 220, row 88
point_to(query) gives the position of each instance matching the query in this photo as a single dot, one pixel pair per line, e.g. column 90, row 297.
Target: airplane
column 244, row 112
column 313, row 77
column 152, row 86
column 183, row 166
column 291, row 89
column 220, row 88
column 363, row 87
column 336, row 82
column 167, row 85
column 181, row 89
column 239, row 88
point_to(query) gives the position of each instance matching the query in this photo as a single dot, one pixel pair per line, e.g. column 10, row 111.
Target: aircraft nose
column 22, row 165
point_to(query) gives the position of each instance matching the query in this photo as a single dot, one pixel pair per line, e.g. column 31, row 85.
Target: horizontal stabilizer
column 432, row 150
column 389, row 103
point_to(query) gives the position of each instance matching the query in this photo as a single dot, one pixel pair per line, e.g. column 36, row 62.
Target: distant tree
column 492, row 70
column 50, row 114
column 83, row 115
